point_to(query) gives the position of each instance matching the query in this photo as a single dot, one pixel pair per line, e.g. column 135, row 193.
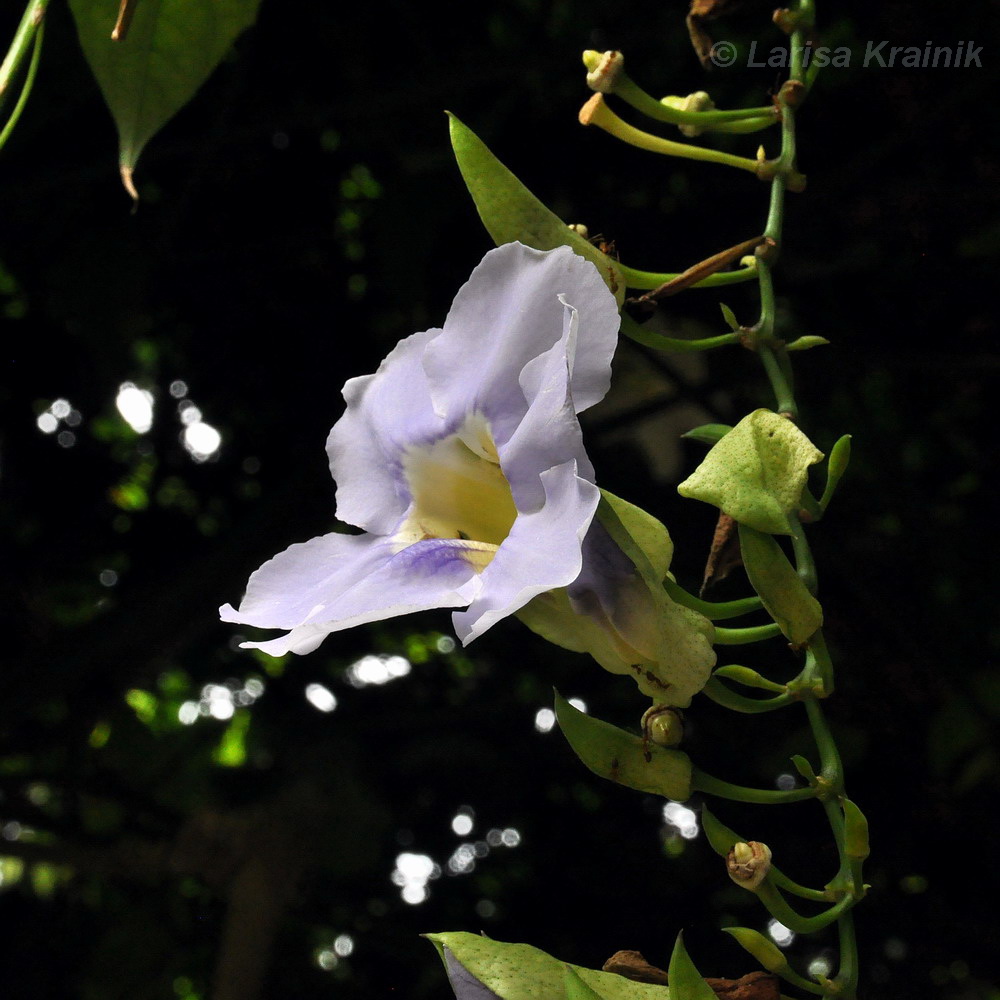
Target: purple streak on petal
column 542, row 552
column 508, row 313
column 337, row 581
column 387, row 413
column 463, row 982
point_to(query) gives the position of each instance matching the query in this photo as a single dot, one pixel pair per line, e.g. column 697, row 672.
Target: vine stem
column 24, row 36
column 817, row 676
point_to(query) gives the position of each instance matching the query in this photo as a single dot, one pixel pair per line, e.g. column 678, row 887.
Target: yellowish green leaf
column 785, row 596
column 756, row 472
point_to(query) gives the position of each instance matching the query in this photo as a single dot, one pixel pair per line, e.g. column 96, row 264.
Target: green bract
column 756, row 473
column 623, row 758
column 148, row 75
column 785, row 596
column 664, row 646
column 522, row 972
column 511, row 213
column 686, row 982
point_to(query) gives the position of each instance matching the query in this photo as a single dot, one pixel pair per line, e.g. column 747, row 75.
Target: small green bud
column 836, row 466
column 766, row 952
column 663, row 725
column 804, row 768
column 804, row 343
column 749, row 678
column 748, row 863
column 731, row 320
column 855, row 831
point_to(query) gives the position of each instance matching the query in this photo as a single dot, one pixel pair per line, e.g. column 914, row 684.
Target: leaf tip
column 126, row 175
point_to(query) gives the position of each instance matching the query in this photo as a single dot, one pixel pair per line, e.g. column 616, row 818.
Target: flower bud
column 855, row 831
column 663, row 725
column 605, row 69
column 748, row 864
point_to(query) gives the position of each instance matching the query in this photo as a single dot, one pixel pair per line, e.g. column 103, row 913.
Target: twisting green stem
column 742, row 636
column 847, row 975
column 629, row 91
column 648, row 338
column 728, row 698
column 711, row 610
column 784, row 396
column 24, row 36
column 781, row 880
column 778, row 907
column 702, row 782
column 831, row 768
column 648, row 280
column 29, row 80
column 804, row 563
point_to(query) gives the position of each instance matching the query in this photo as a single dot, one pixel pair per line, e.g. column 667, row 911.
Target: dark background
column 300, row 216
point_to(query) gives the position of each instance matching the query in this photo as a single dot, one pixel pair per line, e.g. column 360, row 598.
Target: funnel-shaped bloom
column 462, row 460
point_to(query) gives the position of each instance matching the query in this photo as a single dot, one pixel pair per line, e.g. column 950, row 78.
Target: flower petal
column 508, row 313
column 541, row 552
column 386, row 413
column 549, row 432
column 338, row 581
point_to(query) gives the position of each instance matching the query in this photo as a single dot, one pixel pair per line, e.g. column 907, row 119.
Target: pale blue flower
column 462, row 460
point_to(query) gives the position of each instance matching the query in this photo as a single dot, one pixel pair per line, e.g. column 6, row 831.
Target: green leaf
column 522, row 972
column 576, row 988
column 686, row 982
column 804, row 768
column 756, row 473
column 836, row 466
column 786, row 598
column 764, row 950
column 512, row 213
column 623, row 758
column 719, row 835
column 169, row 51
column 707, row 433
column 806, row 343
column 730, row 317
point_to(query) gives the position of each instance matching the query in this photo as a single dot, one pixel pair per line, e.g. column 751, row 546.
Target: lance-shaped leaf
column 756, row 472
column 621, row 757
column 781, row 589
column 720, row 837
column 522, row 972
column 764, row 950
column 686, row 982
column 150, row 73
column 511, row 213
column 707, row 433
